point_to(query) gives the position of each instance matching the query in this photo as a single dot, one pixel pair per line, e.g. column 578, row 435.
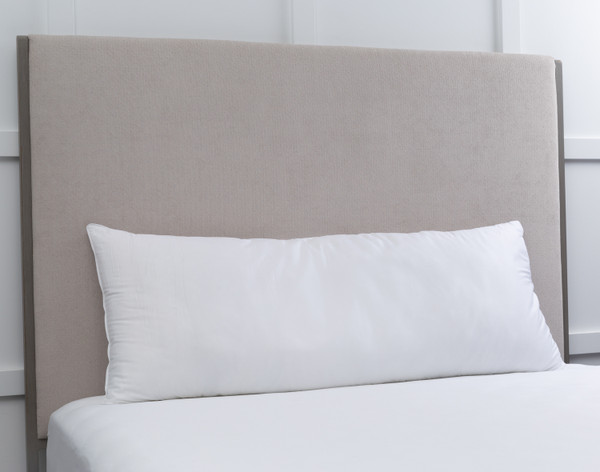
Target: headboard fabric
column 217, row 138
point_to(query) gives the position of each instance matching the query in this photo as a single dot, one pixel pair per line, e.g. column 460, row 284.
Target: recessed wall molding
column 584, row 343
column 12, row 382
column 510, row 24
column 582, row 148
column 575, row 148
column 9, row 143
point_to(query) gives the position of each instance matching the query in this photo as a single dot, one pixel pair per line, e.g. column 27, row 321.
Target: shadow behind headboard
column 221, row 138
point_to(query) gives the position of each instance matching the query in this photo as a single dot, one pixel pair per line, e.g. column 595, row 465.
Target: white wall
column 16, row 17
column 439, row 24
column 563, row 28
column 568, row 30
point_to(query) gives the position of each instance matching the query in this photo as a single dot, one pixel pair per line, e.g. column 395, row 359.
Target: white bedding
column 546, row 421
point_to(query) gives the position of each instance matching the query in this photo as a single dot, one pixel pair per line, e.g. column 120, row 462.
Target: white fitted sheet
column 546, row 421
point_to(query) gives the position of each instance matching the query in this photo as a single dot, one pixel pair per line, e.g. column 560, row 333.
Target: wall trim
column 582, row 148
column 575, row 148
column 304, row 22
column 9, row 143
column 12, row 382
column 510, row 26
column 584, row 343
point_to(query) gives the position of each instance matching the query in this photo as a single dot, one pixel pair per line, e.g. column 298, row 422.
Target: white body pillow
column 193, row 316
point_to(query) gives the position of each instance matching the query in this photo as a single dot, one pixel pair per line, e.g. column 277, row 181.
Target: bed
column 491, row 423
column 240, row 140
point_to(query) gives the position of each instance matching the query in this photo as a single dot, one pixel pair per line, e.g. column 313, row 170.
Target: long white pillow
column 194, row 316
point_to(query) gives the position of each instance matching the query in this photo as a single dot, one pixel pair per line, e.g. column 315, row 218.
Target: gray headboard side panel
column 236, row 139
column 563, row 207
column 32, row 441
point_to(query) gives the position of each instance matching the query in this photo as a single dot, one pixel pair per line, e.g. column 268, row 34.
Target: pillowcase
column 196, row 316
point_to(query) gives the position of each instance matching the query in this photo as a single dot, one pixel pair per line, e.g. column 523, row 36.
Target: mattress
column 545, row 421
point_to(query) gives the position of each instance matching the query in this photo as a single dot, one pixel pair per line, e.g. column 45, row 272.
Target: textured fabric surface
column 262, row 140
column 189, row 316
column 543, row 421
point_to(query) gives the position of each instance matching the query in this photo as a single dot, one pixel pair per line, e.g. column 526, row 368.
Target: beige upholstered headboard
column 221, row 138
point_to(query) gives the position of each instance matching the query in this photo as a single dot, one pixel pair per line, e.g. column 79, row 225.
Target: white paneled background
column 565, row 29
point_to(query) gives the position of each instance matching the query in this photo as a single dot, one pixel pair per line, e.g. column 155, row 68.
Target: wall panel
column 461, row 25
column 259, row 20
column 583, row 237
column 16, row 17
column 569, row 30
column 11, row 331
column 12, row 434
